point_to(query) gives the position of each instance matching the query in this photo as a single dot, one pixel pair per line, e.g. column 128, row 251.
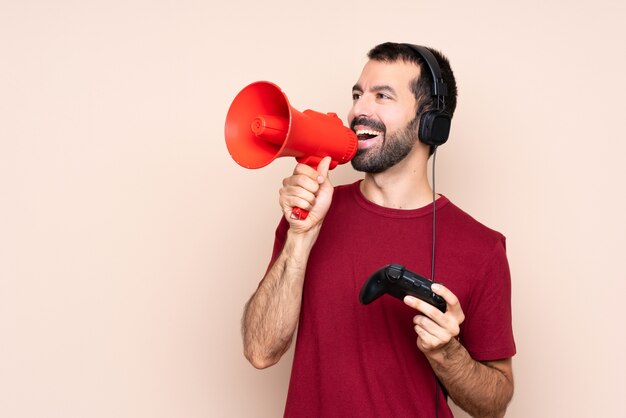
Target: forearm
column 271, row 315
column 481, row 389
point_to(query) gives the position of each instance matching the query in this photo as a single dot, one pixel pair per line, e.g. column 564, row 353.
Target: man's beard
column 393, row 149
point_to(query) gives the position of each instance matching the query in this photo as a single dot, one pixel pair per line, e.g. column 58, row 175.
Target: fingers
column 454, row 306
column 430, row 336
column 446, row 294
column 323, row 168
column 300, row 188
column 425, row 308
column 433, row 327
column 433, row 318
column 304, row 187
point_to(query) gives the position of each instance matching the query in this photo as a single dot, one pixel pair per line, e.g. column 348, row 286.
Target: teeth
column 367, row 132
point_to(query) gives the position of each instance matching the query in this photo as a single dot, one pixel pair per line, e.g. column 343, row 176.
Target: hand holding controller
column 397, row 281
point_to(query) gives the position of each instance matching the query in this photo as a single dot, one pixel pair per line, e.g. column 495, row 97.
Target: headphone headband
column 435, row 124
column 439, row 88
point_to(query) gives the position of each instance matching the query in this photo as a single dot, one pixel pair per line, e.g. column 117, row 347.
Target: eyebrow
column 377, row 89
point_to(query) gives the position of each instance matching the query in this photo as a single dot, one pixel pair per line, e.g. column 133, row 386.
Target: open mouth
column 365, row 134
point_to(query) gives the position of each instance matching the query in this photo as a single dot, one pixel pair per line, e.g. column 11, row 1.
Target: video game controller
column 397, row 281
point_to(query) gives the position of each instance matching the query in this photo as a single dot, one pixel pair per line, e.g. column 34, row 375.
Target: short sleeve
column 487, row 332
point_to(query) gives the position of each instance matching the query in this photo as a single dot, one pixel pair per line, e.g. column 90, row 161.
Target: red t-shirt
column 354, row 360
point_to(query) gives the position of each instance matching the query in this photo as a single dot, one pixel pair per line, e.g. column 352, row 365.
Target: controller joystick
column 397, row 281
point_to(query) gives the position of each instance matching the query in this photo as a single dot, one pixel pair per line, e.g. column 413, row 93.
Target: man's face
column 383, row 115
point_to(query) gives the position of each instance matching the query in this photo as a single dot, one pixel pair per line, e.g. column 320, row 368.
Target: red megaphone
column 261, row 126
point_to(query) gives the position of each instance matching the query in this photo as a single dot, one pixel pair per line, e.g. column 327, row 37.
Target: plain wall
column 130, row 240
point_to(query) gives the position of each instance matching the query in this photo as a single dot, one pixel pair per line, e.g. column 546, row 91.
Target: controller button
column 394, row 273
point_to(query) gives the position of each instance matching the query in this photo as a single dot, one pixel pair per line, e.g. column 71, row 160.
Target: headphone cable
column 432, row 265
column 432, row 261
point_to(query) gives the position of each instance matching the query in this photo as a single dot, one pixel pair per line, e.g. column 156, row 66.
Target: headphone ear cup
column 434, row 127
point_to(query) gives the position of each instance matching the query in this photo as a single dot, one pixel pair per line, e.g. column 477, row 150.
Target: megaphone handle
column 299, row 214
column 312, row 161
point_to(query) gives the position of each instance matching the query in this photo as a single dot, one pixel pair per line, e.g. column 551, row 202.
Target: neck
column 403, row 186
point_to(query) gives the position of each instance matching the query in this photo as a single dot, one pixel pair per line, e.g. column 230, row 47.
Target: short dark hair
column 423, row 85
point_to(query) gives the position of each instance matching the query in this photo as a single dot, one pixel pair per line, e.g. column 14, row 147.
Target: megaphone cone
column 261, row 126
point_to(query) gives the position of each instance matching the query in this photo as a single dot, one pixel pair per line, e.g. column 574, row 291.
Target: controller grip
column 397, row 281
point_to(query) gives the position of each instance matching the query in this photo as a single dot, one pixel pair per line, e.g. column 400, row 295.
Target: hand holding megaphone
column 261, row 126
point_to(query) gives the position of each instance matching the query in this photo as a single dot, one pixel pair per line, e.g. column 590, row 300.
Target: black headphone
column 435, row 124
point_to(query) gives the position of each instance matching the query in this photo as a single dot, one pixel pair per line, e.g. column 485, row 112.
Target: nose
column 361, row 106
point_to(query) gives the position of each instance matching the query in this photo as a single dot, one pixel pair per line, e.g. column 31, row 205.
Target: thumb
column 323, row 168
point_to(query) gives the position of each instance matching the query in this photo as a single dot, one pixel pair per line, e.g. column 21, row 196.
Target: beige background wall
column 129, row 239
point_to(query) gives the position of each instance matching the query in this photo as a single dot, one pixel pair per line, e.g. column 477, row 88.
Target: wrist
column 300, row 242
column 450, row 352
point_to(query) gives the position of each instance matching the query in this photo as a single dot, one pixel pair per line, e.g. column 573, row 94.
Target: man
column 386, row 359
